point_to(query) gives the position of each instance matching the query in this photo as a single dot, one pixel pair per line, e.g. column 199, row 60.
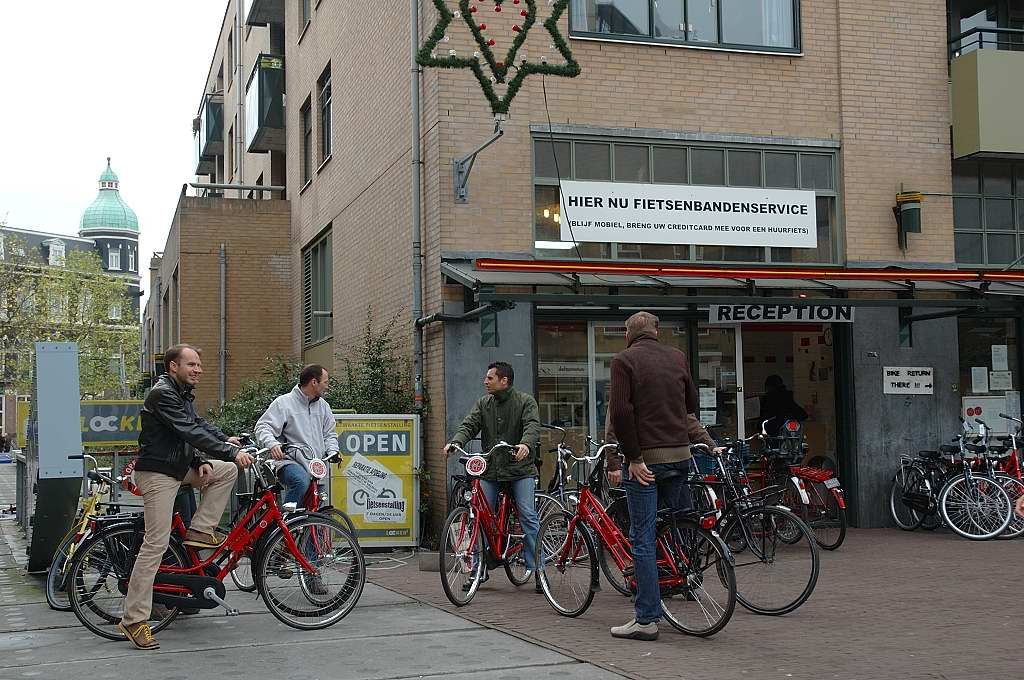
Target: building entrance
column 790, row 373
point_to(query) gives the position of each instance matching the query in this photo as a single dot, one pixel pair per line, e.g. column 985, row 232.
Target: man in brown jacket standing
column 652, row 396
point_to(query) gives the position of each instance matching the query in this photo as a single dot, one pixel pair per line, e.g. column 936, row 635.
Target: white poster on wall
column 979, row 379
column 708, row 397
column 1000, row 358
column 627, row 212
column 1000, row 380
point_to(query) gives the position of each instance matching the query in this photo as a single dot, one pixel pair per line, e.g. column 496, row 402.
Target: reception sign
column 377, row 485
column 626, row 212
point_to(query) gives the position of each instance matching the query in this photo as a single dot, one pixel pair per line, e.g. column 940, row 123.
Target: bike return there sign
column 377, row 485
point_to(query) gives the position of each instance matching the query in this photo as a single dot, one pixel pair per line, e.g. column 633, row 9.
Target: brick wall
column 869, row 79
column 258, row 284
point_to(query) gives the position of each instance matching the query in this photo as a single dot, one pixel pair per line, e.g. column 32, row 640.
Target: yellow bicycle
column 89, row 507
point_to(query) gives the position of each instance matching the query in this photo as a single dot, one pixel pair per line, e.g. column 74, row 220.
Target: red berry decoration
column 483, row 27
column 524, row 13
column 491, row 42
column 473, row 8
column 515, row 28
column 500, row 64
column 497, row 8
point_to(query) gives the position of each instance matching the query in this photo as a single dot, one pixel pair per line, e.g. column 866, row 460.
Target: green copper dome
column 109, row 211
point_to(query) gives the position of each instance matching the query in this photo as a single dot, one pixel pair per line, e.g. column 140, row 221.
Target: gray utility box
column 54, row 433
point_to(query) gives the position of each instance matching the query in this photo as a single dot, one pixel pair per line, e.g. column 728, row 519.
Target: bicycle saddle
column 949, row 448
column 976, row 448
column 929, row 455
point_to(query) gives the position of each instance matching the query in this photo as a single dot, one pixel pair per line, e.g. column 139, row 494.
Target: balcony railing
column 986, row 72
column 982, row 37
column 264, row 105
column 209, row 137
column 261, row 12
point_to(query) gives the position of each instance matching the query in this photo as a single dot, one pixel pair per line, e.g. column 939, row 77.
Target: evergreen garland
column 499, row 105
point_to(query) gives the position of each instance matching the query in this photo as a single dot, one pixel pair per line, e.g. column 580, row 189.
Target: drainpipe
column 222, row 261
column 417, row 246
column 240, row 92
column 159, row 339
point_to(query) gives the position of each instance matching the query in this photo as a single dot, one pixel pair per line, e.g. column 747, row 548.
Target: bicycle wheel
column 457, row 497
column 1014, row 489
column 824, row 516
column 98, row 580
column 567, row 563
column 311, row 600
column 515, row 560
column 703, row 605
column 242, row 576
column 978, row 510
column 773, row 576
column 547, row 504
column 56, row 576
column 908, row 483
column 619, row 512
column 461, row 556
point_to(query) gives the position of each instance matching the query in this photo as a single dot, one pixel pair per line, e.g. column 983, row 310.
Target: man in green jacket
column 507, row 415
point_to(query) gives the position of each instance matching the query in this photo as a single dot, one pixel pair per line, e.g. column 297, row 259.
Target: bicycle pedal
column 211, row 594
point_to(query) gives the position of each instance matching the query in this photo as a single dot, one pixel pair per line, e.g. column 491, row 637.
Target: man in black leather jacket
column 168, row 458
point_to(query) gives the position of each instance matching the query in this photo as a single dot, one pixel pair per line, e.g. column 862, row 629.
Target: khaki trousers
column 158, row 492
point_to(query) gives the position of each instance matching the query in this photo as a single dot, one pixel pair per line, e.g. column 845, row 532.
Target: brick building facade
column 852, row 104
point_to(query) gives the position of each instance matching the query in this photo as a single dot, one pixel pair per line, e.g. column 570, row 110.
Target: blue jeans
column 296, row 482
column 522, row 491
column 643, row 509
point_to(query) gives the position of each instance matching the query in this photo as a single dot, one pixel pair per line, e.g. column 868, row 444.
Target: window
column 306, row 14
column 131, row 260
column 323, row 87
column 306, row 122
column 114, row 259
column 229, row 57
column 317, row 291
column 115, row 311
column 763, row 25
column 988, row 212
column 662, row 162
column 230, row 152
column 56, row 257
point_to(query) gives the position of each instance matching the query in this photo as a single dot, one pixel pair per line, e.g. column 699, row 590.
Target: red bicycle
column 474, row 535
column 308, row 567
column 813, row 494
column 695, row 568
column 314, row 500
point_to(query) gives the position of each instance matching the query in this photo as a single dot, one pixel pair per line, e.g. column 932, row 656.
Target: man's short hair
column 503, row 370
column 174, row 353
column 310, row 373
column 640, row 322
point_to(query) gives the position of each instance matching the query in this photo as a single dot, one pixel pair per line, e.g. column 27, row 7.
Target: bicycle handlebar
column 499, row 445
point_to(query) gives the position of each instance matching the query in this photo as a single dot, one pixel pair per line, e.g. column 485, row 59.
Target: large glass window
column 664, row 163
column 988, row 212
column 317, row 291
column 988, row 365
column 739, row 24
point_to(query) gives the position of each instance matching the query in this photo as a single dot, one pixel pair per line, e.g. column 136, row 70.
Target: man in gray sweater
column 299, row 417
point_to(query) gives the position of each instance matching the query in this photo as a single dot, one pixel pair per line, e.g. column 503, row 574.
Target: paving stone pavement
column 889, row 604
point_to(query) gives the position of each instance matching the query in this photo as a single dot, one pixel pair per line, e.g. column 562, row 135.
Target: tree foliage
column 375, row 378
column 240, row 413
column 70, row 302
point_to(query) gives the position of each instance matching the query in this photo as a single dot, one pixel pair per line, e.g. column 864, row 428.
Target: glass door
column 720, row 380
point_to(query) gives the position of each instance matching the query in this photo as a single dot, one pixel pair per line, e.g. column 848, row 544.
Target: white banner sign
column 779, row 314
column 907, row 380
column 623, row 212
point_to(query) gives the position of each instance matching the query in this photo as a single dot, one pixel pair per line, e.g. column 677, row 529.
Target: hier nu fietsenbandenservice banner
column 621, row 212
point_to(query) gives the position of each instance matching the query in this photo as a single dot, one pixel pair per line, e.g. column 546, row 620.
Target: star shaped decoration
column 500, row 69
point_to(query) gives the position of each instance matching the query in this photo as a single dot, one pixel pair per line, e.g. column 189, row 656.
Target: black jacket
column 170, row 430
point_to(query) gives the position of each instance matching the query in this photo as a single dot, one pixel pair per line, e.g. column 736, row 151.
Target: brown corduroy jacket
column 652, row 399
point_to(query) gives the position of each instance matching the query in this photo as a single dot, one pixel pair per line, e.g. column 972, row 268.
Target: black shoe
column 469, row 584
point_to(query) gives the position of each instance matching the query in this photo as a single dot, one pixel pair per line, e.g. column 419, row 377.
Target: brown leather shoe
column 198, row 539
column 140, row 635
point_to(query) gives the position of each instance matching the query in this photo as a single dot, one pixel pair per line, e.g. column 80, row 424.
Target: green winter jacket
column 510, row 416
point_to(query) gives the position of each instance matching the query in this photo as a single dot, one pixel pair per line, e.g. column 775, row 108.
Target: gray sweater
column 293, row 419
